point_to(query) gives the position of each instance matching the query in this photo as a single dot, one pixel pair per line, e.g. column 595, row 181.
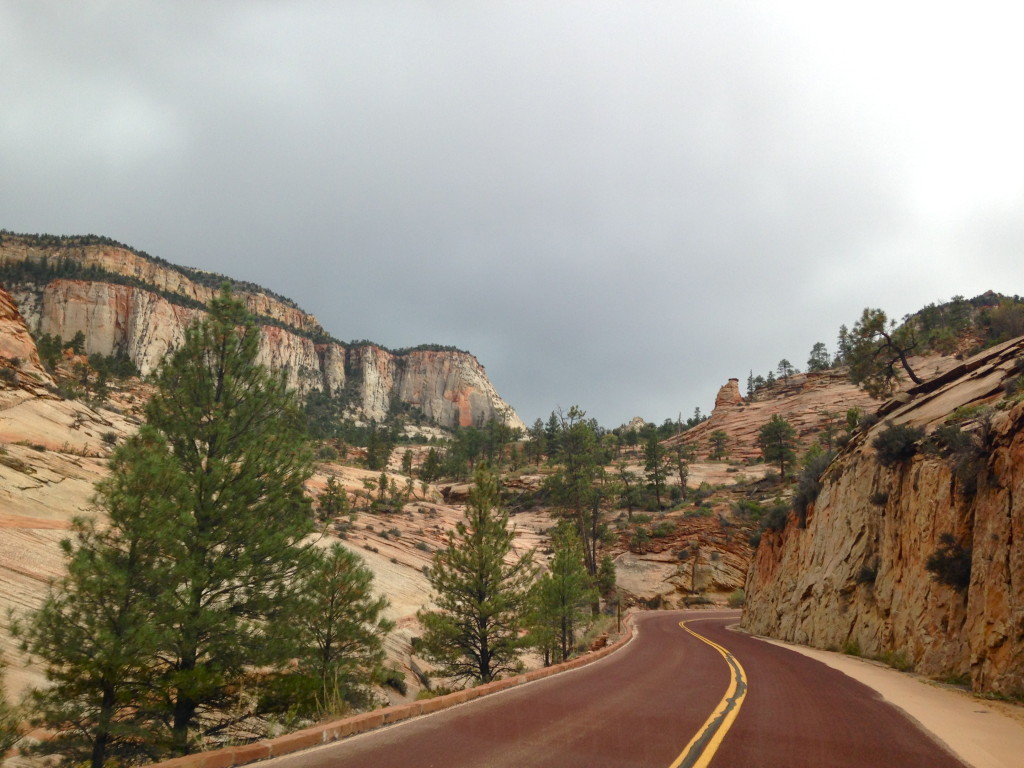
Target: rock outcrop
column 19, row 359
column 857, row 575
column 808, row 401
column 138, row 306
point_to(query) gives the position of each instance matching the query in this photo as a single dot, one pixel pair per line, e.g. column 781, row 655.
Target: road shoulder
column 984, row 734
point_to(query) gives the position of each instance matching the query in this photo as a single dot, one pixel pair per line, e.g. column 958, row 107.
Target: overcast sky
column 616, row 205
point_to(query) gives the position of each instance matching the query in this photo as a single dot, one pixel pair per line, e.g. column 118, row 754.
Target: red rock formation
column 729, row 395
column 857, row 575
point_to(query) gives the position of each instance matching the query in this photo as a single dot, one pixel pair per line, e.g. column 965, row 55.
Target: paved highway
column 685, row 693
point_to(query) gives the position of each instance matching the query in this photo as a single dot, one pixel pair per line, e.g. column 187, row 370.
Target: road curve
column 643, row 706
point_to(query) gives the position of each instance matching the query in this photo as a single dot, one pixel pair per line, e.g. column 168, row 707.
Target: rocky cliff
column 858, row 576
column 130, row 303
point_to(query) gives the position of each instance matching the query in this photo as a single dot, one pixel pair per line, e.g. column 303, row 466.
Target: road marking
column 702, row 747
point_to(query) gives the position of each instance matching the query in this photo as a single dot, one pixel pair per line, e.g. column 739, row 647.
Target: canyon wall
column 857, row 577
column 147, row 319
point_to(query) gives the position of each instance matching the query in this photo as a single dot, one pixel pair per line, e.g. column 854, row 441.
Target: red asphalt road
column 643, row 704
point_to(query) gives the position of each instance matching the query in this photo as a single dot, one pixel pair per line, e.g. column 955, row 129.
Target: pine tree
column 777, row 439
column 573, row 486
column 654, row 466
column 10, row 720
column 341, row 629
column 237, row 439
column 876, row 349
column 562, row 596
column 100, row 628
column 166, row 611
column 481, row 599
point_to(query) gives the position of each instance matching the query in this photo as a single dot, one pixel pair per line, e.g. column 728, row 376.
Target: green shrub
column 867, row 574
column 663, row 529
column 809, row 483
column 950, row 564
column 897, row 660
column 737, row 599
column 775, row 517
column 897, row 443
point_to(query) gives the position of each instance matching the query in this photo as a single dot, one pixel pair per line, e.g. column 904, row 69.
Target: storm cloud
column 616, row 205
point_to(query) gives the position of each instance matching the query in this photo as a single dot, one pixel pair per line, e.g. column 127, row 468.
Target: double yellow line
column 702, row 747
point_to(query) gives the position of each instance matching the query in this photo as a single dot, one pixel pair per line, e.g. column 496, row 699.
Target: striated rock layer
column 856, row 576
column 146, row 320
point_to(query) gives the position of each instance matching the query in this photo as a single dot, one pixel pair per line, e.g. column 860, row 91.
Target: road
column 708, row 697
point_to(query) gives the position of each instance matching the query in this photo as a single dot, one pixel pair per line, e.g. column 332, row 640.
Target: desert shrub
column 327, row 452
column 879, row 498
column 775, row 517
column 392, row 678
column 950, row 564
column 737, row 599
column 867, row 421
column 809, row 483
column 639, row 541
column 897, row 443
column 897, row 660
column 867, row 574
column 966, row 449
column 9, row 377
column 663, row 529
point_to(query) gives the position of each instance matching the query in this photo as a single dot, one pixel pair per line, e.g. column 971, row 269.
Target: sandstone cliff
column 856, row 576
column 139, row 306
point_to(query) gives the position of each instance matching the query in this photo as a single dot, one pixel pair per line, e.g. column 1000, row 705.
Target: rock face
column 856, row 576
column 144, row 313
column 18, row 353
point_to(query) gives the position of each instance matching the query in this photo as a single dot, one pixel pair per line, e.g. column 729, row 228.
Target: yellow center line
column 702, row 747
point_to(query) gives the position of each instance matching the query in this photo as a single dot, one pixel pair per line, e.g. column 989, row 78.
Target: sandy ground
column 982, row 733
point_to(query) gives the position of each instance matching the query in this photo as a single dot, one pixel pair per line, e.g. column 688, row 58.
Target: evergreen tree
column 101, row 627
column 238, row 443
column 819, row 359
column 574, row 486
column 785, row 369
column 481, row 599
column 843, row 346
column 877, row 349
column 340, row 632
column 537, row 445
column 654, row 465
column 10, row 720
column 777, row 439
column 628, row 488
column 562, row 596
column 333, row 501
column 683, row 454
column 718, row 440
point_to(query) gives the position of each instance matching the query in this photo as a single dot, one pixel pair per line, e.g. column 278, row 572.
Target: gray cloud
column 619, row 205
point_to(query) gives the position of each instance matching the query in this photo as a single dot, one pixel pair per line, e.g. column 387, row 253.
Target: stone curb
column 325, row 733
